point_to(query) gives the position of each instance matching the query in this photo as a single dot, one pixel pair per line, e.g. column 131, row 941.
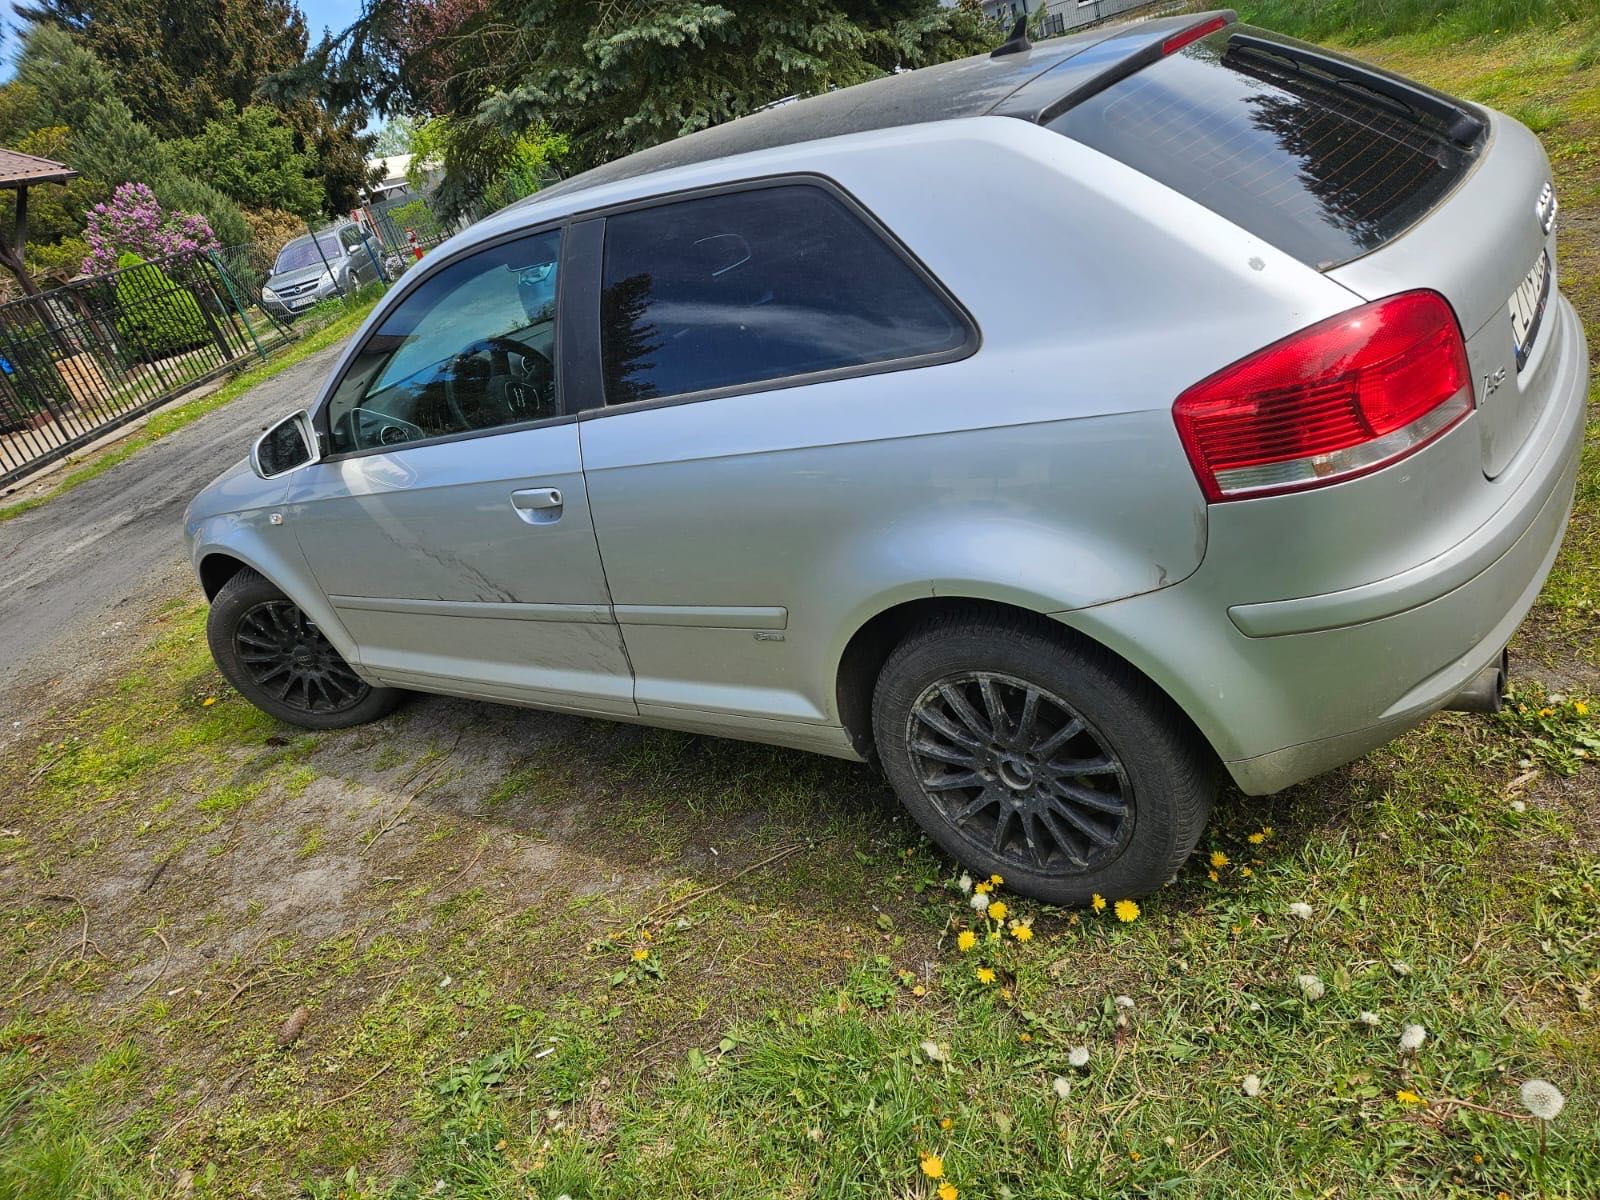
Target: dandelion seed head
column 979, row 902
column 1061, row 1086
column 1311, row 987
column 1412, row 1037
column 1078, row 1056
column 1368, row 1018
column 1542, row 1098
column 1251, row 1085
column 965, row 882
column 1300, row 909
column 1124, row 1001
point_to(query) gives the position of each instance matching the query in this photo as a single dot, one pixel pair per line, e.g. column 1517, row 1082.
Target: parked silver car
column 1065, row 429
column 335, row 262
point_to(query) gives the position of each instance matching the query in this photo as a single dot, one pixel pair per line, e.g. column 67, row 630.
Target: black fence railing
column 85, row 358
column 82, row 359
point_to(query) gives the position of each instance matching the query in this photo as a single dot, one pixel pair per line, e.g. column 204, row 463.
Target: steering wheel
column 482, row 389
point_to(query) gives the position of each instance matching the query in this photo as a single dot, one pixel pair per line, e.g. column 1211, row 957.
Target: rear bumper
column 1287, row 688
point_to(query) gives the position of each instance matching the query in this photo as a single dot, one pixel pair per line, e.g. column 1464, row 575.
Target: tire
column 281, row 662
column 1124, row 763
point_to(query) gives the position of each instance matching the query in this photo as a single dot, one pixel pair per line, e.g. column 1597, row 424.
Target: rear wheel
column 283, row 664
column 1046, row 761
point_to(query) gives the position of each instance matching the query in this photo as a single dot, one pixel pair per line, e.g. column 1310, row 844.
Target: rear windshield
column 1315, row 165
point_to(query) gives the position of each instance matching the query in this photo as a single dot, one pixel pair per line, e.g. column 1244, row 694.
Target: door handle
column 537, row 506
column 529, row 499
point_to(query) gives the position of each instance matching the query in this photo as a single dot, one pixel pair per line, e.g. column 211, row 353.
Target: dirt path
column 77, row 573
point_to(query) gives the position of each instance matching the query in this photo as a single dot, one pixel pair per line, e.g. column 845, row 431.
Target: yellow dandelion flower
column 1408, row 1097
column 985, row 974
column 1579, row 707
column 644, row 935
column 1266, row 830
column 1072, row 918
column 966, row 940
column 1547, row 712
column 984, row 888
column 932, row 1166
column 1213, row 876
column 640, row 954
column 998, row 910
column 208, row 702
column 945, row 1123
column 1126, row 911
column 948, row 1191
column 919, row 990
column 1246, row 872
column 1022, row 932
column 1098, row 903
column 1134, row 1155
column 1256, row 838
column 996, row 880
column 1218, row 859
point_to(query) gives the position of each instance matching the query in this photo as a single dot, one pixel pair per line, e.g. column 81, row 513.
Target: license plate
column 301, row 301
column 1527, row 308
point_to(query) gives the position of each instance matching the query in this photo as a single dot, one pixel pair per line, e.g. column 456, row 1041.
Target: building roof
column 20, row 170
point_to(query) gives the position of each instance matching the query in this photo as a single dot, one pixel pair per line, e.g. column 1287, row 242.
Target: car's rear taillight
column 1339, row 399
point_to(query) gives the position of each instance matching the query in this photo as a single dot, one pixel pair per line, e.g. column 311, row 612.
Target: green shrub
column 156, row 317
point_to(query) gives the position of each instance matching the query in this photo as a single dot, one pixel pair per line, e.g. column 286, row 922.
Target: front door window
column 472, row 348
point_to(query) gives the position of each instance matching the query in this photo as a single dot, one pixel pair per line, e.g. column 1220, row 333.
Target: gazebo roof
column 20, row 170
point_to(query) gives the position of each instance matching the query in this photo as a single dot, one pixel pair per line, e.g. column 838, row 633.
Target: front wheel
column 1048, row 761
column 283, row 664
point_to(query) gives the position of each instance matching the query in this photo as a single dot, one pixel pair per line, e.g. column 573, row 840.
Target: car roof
column 967, row 87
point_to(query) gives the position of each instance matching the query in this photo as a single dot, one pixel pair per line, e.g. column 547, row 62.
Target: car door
column 449, row 523
column 361, row 268
column 753, row 344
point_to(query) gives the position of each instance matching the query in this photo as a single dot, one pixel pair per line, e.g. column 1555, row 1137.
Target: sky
column 331, row 14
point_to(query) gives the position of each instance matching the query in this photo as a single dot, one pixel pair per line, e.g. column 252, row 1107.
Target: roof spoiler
column 1126, row 49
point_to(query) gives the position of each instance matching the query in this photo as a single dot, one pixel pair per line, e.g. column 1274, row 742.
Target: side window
column 756, row 285
column 350, row 236
column 472, row 347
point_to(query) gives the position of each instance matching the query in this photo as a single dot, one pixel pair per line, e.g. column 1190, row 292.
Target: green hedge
column 156, row 317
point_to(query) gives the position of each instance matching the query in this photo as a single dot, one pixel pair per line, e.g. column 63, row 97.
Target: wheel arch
column 870, row 646
column 216, row 569
column 217, row 562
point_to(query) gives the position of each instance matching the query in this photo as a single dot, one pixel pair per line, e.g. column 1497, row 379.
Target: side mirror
column 289, row 444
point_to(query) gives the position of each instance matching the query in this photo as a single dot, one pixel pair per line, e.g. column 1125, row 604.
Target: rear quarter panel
column 1042, row 471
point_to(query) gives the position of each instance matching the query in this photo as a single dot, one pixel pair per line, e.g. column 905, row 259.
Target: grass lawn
column 478, row 952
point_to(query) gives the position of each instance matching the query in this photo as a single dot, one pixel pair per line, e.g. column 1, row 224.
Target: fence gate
column 97, row 353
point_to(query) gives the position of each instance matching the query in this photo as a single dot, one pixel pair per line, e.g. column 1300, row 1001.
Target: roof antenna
column 1017, row 42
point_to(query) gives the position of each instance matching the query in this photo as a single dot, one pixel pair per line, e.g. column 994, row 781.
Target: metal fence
column 82, row 359
column 97, row 353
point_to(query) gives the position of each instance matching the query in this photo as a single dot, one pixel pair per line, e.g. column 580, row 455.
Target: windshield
column 303, row 253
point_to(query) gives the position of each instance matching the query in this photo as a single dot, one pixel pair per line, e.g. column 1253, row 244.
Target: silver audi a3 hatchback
column 1067, row 430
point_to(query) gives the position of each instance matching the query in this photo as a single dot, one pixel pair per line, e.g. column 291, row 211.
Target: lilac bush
column 133, row 222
